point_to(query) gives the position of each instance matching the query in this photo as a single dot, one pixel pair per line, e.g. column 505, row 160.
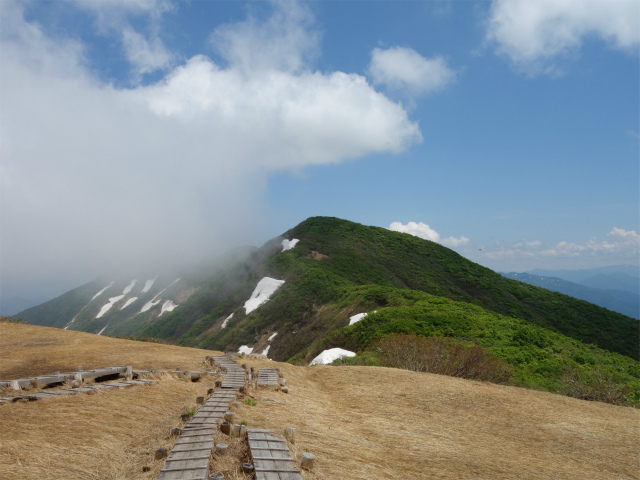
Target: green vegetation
column 12, row 320
column 162, row 341
column 407, row 285
column 543, row 359
column 250, row 402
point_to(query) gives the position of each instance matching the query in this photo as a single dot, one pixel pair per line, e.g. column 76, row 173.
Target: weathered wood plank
column 271, row 459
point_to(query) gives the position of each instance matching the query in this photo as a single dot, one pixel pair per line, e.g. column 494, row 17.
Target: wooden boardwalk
column 268, row 377
column 271, row 457
column 234, row 377
column 69, row 391
column 189, row 459
column 56, row 378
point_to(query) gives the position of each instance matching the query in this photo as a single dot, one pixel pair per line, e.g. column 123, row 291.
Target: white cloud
column 530, row 32
column 419, row 229
column 285, row 42
column 402, row 68
column 625, row 243
column 423, row 230
column 624, row 246
column 94, row 176
column 453, row 242
column 145, row 55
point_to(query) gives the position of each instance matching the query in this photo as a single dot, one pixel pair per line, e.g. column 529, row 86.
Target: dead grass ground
column 360, row 422
column 366, row 422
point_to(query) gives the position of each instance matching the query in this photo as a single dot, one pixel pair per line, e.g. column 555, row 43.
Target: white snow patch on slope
column 356, row 318
column 101, row 291
column 266, row 350
column 289, row 244
column 328, row 356
column 168, row 306
column 226, row 320
column 105, row 308
column 244, row 349
column 129, row 302
column 105, row 327
column 262, row 292
column 148, row 284
column 272, row 337
column 152, row 303
column 128, row 288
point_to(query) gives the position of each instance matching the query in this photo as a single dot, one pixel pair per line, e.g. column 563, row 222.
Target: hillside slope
column 335, row 257
column 325, row 269
column 620, row 301
column 360, row 422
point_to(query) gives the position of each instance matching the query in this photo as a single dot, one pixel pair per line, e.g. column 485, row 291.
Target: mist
column 96, row 178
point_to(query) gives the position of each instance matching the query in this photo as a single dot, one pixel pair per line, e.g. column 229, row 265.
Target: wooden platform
column 45, row 380
column 271, row 457
column 70, row 391
column 268, row 377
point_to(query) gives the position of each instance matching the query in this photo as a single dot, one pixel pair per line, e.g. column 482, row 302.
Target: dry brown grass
column 106, row 435
column 370, row 422
column 29, row 350
column 360, row 422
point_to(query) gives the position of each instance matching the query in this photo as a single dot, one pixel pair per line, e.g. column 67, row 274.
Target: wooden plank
column 272, row 461
column 194, row 446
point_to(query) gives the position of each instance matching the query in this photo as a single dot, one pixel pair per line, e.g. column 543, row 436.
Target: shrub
column 12, row 320
column 594, row 385
column 443, row 356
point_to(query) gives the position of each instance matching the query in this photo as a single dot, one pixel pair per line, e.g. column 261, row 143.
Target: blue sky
column 133, row 131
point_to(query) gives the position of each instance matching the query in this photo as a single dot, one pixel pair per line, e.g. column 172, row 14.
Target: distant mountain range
column 615, row 288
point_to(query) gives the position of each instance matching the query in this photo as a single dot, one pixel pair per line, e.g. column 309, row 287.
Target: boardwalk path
column 69, row 391
column 268, row 377
column 189, row 458
column 58, row 378
column 271, row 457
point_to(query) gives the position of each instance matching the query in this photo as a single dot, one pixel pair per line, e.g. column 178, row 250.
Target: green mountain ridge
column 339, row 269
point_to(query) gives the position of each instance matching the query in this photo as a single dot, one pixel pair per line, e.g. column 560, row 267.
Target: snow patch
column 289, row 244
column 168, row 306
column 246, row 350
column 105, row 308
column 149, row 305
column 148, row 284
column 128, row 288
column 358, row 317
column 272, row 337
column 328, row 356
column 101, row 291
column 105, row 327
column 129, row 302
column 266, row 350
column 226, row 320
column 265, row 288
column 152, row 303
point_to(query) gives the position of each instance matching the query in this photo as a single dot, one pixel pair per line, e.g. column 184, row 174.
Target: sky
column 149, row 132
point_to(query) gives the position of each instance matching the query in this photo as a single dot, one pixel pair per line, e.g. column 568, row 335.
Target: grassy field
column 360, row 422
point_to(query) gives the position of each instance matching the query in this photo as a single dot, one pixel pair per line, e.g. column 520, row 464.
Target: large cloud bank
column 95, row 175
